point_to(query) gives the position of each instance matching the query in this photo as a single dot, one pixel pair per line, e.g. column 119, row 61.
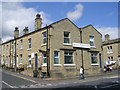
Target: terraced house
column 111, row 50
column 57, row 50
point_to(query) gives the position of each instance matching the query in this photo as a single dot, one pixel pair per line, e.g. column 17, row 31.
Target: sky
column 102, row 15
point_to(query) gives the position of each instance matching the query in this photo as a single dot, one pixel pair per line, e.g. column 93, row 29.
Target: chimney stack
column 107, row 37
column 25, row 31
column 38, row 22
column 16, row 32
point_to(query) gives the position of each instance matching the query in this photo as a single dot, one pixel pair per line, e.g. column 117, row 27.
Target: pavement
column 30, row 82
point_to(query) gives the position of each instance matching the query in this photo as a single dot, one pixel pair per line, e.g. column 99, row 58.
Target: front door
column 36, row 62
column 100, row 60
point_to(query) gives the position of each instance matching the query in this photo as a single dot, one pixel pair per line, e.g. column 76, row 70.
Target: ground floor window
column 94, row 58
column 21, row 58
column 119, row 60
column 68, row 57
column 29, row 59
column 44, row 61
column 56, row 57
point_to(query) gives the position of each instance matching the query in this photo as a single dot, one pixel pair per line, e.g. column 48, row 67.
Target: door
column 36, row 62
column 100, row 60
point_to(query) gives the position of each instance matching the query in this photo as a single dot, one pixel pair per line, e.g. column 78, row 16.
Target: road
column 16, row 81
column 10, row 81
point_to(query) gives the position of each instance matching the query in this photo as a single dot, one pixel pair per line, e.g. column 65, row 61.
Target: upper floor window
column 44, row 34
column 7, row 48
column 56, row 57
column 92, row 41
column 94, row 58
column 67, row 37
column 109, row 49
column 68, row 57
column 29, row 42
column 21, row 41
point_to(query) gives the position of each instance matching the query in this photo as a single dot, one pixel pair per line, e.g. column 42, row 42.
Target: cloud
column 112, row 31
column 76, row 14
column 15, row 14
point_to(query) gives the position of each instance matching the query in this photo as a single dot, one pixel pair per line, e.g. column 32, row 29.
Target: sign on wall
column 81, row 45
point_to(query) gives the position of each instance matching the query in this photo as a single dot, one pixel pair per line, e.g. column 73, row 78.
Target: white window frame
column 29, row 59
column 43, row 58
column 69, row 55
column 44, row 38
column 69, row 37
column 119, row 61
column 29, row 43
column 21, row 42
column 94, row 56
column 91, row 38
column 58, row 57
column 109, row 49
column 21, row 58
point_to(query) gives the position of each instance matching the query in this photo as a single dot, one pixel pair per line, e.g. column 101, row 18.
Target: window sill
column 21, row 48
column 92, row 47
column 45, row 65
column 57, row 65
column 29, row 49
column 43, row 44
column 95, row 64
column 69, row 64
column 109, row 52
column 67, row 44
column 20, row 63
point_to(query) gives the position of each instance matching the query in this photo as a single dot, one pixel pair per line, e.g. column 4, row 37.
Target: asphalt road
column 10, row 81
column 99, row 83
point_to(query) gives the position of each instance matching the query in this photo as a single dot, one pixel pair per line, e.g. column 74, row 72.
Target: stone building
column 111, row 50
column 57, row 50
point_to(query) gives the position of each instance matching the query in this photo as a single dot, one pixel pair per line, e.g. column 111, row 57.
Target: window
column 44, row 59
column 108, row 58
column 67, row 37
column 109, row 49
column 29, row 42
column 68, row 57
column 44, row 37
column 20, row 58
column 111, row 58
column 29, row 59
column 92, row 41
column 21, row 44
column 94, row 58
column 56, row 57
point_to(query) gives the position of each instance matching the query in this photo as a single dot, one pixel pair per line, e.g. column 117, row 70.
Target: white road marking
column 109, row 86
column 7, row 84
column 22, row 77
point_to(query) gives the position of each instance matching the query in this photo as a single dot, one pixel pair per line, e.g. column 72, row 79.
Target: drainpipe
column 47, row 54
column 81, row 49
column 15, row 57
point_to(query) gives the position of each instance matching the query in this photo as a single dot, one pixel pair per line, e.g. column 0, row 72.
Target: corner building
column 59, row 49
